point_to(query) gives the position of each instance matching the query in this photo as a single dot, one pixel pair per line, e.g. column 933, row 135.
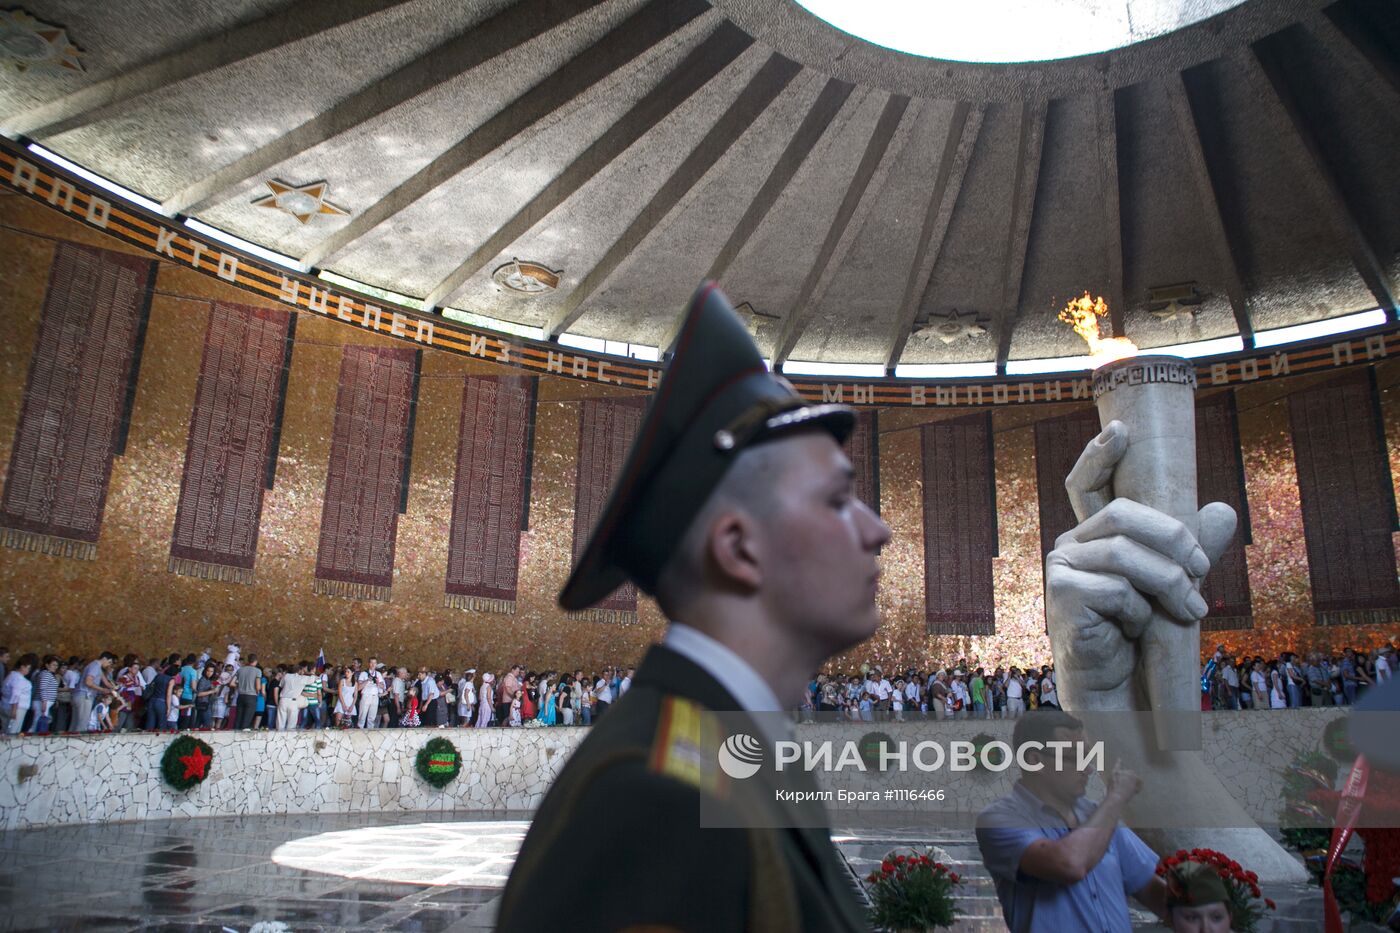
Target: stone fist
column 1101, row 573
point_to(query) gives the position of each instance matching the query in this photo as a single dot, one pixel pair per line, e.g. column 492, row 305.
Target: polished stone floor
column 229, row 874
column 434, row 873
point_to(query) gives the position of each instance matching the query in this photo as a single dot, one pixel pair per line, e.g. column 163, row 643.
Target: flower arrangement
column 438, row 762
column 186, row 762
column 1306, row 826
column 1242, row 886
column 912, row 892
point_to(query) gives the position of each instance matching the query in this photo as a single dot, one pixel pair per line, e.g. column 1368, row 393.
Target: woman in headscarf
column 486, row 700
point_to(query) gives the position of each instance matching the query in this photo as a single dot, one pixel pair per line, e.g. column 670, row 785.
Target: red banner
column 490, row 492
column 231, row 432
column 77, row 400
column 606, row 431
column 365, row 480
column 960, row 537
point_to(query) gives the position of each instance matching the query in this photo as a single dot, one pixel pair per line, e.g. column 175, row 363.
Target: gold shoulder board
column 686, row 746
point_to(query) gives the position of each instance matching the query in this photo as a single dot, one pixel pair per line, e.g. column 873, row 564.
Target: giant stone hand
column 1101, row 574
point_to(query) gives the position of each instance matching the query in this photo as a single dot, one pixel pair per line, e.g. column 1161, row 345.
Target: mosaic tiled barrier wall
column 503, row 769
column 127, row 598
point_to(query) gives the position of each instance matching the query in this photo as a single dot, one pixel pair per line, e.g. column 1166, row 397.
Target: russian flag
column 321, row 661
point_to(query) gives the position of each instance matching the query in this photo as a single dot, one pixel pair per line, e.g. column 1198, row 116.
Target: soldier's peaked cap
column 716, row 399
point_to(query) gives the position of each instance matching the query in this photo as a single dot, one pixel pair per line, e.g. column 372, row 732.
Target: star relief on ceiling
column 29, row 43
column 752, row 317
column 301, row 201
column 952, row 326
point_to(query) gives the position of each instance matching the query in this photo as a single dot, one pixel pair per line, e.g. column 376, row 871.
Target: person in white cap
column 466, row 697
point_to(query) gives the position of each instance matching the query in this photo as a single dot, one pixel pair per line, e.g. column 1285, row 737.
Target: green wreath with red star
column 186, row 762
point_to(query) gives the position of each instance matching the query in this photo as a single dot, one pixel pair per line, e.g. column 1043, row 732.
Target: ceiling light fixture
column 30, row 43
column 526, row 278
column 1174, row 302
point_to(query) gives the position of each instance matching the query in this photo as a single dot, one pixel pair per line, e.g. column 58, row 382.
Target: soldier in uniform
column 736, row 510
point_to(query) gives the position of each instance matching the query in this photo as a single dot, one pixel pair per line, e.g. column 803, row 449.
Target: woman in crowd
column 466, row 699
column 529, row 697
column 549, row 715
column 130, row 688
column 1277, row 697
column 345, row 702
column 44, row 696
column 204, row 689
column 1259, row 685
column 585, row 701
column 189, row 679
column 486, row 702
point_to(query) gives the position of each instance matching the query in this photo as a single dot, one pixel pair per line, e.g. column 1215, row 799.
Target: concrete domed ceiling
column 869, row 206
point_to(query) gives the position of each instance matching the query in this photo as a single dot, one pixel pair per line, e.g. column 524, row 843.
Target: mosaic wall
column 127, row 598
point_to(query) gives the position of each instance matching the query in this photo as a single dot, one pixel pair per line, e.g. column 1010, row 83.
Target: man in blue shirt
column 1059, row 861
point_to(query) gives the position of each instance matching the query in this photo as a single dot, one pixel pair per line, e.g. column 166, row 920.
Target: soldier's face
column 822, row 546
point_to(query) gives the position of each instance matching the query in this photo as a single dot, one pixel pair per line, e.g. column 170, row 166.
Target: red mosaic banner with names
column 1348, row 501
column 863, row 449
column 960, row 537
column 231, row 431
column 364, row 483
column 606, row 431
column 77, row 400
column 490, row 492
column 1058, row 443
column 1220, row 478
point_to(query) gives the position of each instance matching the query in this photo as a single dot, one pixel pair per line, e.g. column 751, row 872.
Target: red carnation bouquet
column 1242, row 886
column 912, row 892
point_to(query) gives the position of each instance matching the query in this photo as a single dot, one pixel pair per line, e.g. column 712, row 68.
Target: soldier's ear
column 734, row 551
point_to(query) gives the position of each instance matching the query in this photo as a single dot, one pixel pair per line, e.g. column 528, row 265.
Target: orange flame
column 1083, row 315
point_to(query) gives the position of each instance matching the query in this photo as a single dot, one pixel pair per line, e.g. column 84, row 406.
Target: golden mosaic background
column 127, row 600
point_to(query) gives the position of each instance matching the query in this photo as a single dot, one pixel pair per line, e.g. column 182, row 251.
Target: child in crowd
column 515, row 719
column 411, row 719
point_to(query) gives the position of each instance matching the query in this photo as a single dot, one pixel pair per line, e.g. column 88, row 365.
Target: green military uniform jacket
column 618, row 843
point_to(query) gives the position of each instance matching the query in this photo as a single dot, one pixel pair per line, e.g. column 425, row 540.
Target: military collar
column 750, row 692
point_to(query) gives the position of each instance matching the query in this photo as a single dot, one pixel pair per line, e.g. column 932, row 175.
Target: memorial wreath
column 186, row 762
column 438, row 762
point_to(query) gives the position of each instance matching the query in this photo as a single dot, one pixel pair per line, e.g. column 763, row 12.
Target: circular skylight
column 1010, row 30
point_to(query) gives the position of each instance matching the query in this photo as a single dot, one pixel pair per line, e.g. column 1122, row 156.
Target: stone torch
column 1155, row 399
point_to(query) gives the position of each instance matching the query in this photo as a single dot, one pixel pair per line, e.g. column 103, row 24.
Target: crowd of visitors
column 52, row 694
column 1292, row 680
column 966, row 690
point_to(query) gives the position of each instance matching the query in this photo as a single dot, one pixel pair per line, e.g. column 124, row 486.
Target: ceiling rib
column 706, row 61
column 963, row 130
column 1364, row 253
column 1357, row 56
column 1355, row 43
column 1030, row 143
column 109, row 96
column 1106, row 117
column 856, row 205
column 630, row 39
column 820, row 117
column 506, row 30
column 765, row 86
column 1221, row 240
